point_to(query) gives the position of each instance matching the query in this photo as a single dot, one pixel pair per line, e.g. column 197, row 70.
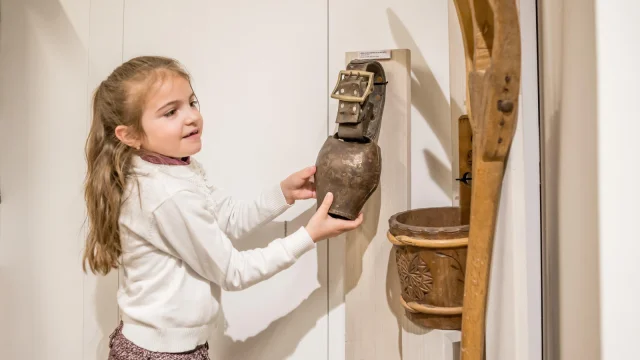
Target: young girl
column 152, row 211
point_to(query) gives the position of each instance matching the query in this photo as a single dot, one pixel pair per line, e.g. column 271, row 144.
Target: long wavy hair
column 118, row 100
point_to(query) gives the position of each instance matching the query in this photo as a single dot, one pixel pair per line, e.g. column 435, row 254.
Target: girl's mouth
column 194, row 132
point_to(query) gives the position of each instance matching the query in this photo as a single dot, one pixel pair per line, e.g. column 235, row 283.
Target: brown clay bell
column 349, row 163
column 350, row 171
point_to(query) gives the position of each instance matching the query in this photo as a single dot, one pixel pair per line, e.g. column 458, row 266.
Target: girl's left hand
column 299, row 185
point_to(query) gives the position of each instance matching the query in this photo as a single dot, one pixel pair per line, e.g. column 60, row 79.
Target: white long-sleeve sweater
column 176, row 232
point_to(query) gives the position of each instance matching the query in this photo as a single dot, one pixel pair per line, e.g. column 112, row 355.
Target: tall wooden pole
column 491, row 37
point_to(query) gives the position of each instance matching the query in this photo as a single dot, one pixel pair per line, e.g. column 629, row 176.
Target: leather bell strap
column 361, row 89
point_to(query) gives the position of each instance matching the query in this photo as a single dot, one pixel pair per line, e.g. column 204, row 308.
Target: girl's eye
column 194, row 103
column 170, row 113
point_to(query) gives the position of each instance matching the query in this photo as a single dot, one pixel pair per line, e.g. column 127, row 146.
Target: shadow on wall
column 552, row 247
column 571, row 279
column 106, row 311
column 281, row 337
column 429, row 100
column 432, row 104
column 16, row 247
column 360, row 239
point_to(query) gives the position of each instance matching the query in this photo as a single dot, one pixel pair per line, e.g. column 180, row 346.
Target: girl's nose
column 193, row 117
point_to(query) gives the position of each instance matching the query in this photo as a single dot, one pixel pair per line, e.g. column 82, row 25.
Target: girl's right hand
column 322, row 226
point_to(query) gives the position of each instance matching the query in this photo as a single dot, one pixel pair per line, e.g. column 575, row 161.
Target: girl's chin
column 194, row 148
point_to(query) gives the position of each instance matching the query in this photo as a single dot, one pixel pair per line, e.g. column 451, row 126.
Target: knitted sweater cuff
column 274, row 200
column 298, row 243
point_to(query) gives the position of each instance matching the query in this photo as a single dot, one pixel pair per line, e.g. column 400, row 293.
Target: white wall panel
column 570, row 108
column 43, row 108
column 616, row 31
column 259, row 70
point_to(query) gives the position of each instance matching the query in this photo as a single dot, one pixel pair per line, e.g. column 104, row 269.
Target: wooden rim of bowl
column 396, row 226
column 402, row 240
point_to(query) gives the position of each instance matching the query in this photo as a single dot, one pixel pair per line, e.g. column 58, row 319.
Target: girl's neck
column 156, row 158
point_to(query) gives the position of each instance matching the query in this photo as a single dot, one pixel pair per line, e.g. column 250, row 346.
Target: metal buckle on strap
column 351, row 98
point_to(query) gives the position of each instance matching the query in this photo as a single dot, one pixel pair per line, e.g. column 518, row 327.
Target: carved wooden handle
column 414, row 307
column 501, row 88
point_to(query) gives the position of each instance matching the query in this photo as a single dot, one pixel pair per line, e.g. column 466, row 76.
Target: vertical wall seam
column 88, row 103
column 124, row 6
column 328, row 242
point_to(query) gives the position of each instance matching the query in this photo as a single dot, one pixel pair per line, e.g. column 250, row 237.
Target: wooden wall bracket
column 465, row 168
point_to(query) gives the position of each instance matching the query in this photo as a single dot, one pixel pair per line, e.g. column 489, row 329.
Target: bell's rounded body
column 350, row 170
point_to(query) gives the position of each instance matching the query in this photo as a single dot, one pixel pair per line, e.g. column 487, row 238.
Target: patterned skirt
column 123, row 349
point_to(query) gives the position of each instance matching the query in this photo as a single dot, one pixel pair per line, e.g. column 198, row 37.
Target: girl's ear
column 124, row 134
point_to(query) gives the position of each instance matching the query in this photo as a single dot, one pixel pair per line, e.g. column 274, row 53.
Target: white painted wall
column 570, row 164
column 616, row 32
column 247, row 68
column 514, row 329
column 263, row 92
column 43, row 107
column 590, row 78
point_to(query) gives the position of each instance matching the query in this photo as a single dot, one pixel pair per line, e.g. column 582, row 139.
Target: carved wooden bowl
column 431, row 257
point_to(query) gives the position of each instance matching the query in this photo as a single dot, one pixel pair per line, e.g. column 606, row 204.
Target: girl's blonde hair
column 118, row 100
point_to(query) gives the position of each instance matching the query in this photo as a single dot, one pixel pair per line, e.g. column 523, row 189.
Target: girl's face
column 171, row 119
